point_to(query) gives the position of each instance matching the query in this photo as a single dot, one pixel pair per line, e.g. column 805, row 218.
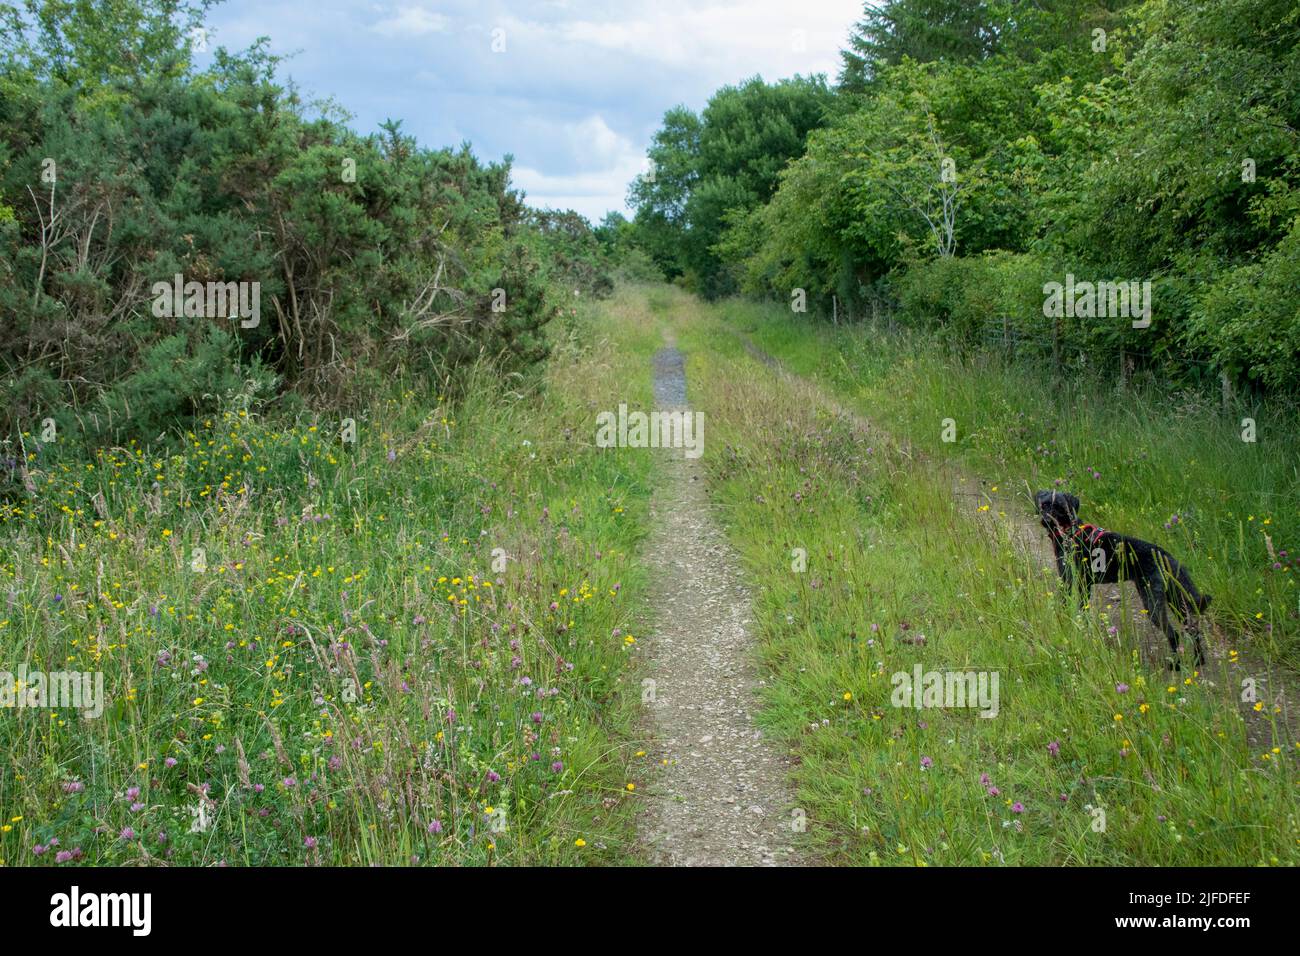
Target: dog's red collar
column 1089, row 534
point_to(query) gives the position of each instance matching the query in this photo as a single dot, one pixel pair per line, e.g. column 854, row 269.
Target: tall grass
column 1171, row 467
column 402, row 649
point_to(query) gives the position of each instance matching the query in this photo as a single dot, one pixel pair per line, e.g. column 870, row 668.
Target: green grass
column 347, row 676
column 899, row 575
column 1136, row 458
column 305, row 679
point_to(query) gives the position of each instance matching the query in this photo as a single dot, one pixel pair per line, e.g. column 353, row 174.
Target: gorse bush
column 123, row 165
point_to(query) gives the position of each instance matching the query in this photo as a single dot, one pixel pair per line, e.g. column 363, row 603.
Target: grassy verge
column 402, row 648
column 1093, row 757
column 1171, row 468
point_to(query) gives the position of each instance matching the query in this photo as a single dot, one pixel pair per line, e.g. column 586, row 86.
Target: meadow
column 1218, row 485
column 400, row 637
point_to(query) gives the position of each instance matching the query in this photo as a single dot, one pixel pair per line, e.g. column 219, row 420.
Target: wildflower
column 1054, row 748
column 926, row 763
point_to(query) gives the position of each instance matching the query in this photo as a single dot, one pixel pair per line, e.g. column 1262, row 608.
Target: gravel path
column 719, row 795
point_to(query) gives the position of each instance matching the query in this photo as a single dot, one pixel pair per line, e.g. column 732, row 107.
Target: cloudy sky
column 574, row 89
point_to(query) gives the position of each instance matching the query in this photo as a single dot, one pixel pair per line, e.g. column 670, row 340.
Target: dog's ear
column 1073, row 504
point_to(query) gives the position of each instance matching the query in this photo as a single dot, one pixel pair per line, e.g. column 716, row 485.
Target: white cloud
column 728, row 40
column 607, row 163
column 411, row 21
column 677, row 44
column 582, row 85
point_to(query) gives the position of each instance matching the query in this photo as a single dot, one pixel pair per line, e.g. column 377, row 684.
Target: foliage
column 920, row 30
column 712, row 167
column 123, row 165
column 1154, row 142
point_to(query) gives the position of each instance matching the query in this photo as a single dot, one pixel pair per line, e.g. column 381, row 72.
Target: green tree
column 921, row 30
column 727, row 159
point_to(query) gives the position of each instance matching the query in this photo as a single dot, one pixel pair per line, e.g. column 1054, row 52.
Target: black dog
column 1088, row 555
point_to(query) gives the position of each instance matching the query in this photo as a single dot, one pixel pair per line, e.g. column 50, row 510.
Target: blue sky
column 577, row 91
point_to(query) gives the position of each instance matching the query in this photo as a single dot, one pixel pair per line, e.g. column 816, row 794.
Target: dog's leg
column 1198, row 641
column 1078, row 586
column 1188, row 603
column 1153, row 599
column 1193, row 625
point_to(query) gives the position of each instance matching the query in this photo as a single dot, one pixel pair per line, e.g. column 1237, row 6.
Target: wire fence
column 1059, row 349
column 1064, row 352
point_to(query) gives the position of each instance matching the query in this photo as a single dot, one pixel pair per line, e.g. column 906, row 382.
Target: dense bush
column 971, row 297
column 1248, row 319
column 123, row 165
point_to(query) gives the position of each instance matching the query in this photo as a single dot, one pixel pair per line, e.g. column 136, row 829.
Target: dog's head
column 1057, row 510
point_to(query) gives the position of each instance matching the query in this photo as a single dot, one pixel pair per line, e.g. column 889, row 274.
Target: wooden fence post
column 1056, row 347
